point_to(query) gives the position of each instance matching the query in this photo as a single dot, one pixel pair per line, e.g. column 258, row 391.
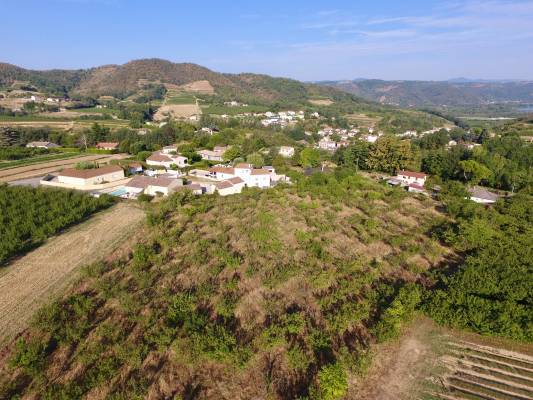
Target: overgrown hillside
column 268, row 294
column 434, row 93
column 122, row 81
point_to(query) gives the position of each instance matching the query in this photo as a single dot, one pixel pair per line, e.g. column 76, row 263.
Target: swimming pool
column 118, row 192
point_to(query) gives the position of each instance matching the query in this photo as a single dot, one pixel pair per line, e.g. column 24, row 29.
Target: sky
column 306, row 40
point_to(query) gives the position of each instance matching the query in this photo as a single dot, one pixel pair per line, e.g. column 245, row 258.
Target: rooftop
column 89, row 173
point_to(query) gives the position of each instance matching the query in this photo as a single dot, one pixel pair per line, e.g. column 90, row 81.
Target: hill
column 435, row 93
column 268, row 294
column 125, row 80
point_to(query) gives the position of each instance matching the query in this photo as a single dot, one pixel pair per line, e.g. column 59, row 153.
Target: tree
column 356, row 155
column 389, row 154
column 309, row 157
column 231, row 154
column 474, row 172
column 256, row 160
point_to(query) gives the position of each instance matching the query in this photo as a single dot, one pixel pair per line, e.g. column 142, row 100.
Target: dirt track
column 29, row 171
column 43, row 273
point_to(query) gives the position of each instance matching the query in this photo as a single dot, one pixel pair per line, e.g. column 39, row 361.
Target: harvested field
column 36, row 277
column 321, row 102
column 203, row 87
column 177, row 111
column 29, row 171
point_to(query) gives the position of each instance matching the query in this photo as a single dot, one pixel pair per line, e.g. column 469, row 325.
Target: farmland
column 46, row 167
column 30, row 215
column 33, row 279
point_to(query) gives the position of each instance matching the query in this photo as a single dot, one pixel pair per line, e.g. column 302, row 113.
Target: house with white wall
column 83, row 177
column 166, row 160
column 408, row 177
column 42, row 145
column 153, row 185
column 286, row 151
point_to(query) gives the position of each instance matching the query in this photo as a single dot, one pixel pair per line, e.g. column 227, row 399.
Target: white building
column 408, row 177
column 230, row 186
column 42, row 145
column 286, row 151
column 107, row 145
column 153, row 185
column 159, row 159
column 217, row 154
column 82, row 177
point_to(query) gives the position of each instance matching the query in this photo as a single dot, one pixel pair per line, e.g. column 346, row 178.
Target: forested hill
column 436, row 93
column 124, row 80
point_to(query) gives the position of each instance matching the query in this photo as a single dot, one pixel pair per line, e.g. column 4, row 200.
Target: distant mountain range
column 454, row 92
column 122, row 81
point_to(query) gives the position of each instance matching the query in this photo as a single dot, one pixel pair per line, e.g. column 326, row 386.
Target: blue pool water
column 118, row 192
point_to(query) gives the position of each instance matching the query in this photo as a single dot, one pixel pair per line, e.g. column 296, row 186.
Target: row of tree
column 31, row 215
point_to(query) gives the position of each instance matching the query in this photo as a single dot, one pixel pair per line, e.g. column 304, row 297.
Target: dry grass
column 203, row 87
column 321, row 102
column 33, row 279
column 177, row 111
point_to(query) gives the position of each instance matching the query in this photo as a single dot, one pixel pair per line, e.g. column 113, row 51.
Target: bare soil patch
column 177, row 111
column 199, row 87
column 33, row 279
column 321, row 102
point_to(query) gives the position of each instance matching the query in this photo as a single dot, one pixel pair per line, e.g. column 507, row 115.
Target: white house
column 153, row 185
column 216, row 154
column 229, row 186
column 408, row 177
column 286, row 151
column 482, row 195
column 159, row 159
column 327, row 144
column 82, row 177
column 171, row 149
column 107, row 145
column 252, row 177
column 42, row 145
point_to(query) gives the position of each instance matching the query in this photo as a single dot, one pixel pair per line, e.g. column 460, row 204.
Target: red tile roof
column 113, row 145
column 223, row 170
column 236, row 180
column 260, row 172
column 158, row 157
column 90, row 173
column 412, row 174
column 243, row 165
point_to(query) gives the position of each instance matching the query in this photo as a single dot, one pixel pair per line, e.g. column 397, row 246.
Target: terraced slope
column 478, row 372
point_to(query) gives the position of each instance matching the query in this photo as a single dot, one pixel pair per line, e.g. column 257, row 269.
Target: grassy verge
column 35, row 160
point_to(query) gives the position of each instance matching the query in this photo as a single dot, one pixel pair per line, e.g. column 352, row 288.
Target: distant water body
column 527, row 108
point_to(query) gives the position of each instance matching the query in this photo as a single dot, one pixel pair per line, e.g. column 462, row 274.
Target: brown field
column 363, row 119
column 199, row 87
column 433, row 363
column 35, row 278
column 71, row 125
column 13, row 102
column 177, row 111
column 30, row 171
column 321, row 102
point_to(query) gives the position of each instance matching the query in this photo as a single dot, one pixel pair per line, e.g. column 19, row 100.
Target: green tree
column 309, row 157
column 232, row 153
column 389, row 154
column 256, row 160
column 474, row 172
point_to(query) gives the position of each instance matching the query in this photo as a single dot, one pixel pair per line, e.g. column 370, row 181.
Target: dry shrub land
column 269, row 294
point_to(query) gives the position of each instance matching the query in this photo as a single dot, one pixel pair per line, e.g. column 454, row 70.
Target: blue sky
column 307, row 40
